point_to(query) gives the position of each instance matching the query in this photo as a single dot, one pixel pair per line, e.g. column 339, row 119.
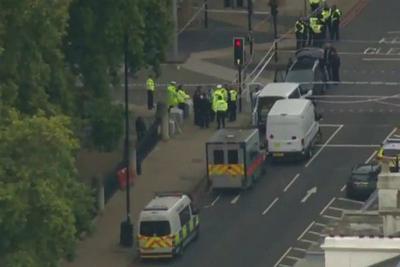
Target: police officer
column 204, row 110
column 300, row 29
column 172, row 100
column 221, row 107
column 316, row 26
column 196, row 105
column 335, row 65
column 150, row 86
column 314, row 4
column 182, row 97
column 326, row 14
column 232, row 100
column 336, row 15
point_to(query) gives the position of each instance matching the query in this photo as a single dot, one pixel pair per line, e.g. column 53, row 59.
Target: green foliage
column 43, row 207
column 106, row 122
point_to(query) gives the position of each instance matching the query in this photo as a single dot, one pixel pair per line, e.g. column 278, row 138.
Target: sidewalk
column 178, row 164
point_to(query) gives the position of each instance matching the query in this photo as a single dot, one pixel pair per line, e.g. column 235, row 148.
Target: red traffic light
column 238, row 42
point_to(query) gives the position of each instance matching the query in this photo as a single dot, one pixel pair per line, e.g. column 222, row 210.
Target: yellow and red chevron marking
column 226, row 169
column 155, row 242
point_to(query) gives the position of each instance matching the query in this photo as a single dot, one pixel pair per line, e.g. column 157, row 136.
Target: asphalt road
column 260, row 227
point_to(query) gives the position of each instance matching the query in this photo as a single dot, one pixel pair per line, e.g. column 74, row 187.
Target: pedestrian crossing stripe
column 226, row 169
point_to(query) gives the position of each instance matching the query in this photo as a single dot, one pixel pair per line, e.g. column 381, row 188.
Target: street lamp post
column 249, row 18
column 126, row 227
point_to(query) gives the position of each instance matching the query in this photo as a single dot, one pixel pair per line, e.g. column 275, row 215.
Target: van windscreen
column 155, row 228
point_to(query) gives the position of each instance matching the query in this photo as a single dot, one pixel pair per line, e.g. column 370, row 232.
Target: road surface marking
column 309, row 193
column 320, row 224
column 284, row 265
column 327, row 205
column 316, row 233
column 393, row 32
column 300, row 249
column 331, row 125
column 350, row 200
column 283, row 256
column 215, row 201
column 381, row 59
column 309, row 241
column 306, row 230
column 293, row 258
column 235, row 199
column 326, row 143
column 332, row 217
column 335, row 208
column 270, row 206
column 343, row 188
column 390, row 134
column 350, row 145
column 291, row 182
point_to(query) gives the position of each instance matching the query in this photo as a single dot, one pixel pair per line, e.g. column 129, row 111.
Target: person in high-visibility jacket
column 182, row 97
column 172, row 99
column 317, row 29
column 314, row 4
column 221, row 107
column 150, row 88
column 217, row 92
column 326, row 14
column 336, row 15
column 232, row 100
column 300, row 30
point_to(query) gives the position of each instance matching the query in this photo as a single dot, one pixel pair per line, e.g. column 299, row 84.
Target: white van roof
column 278, row 89
column 166, row 202
column 289, row 107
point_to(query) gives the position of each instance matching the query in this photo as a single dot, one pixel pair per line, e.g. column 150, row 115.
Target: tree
column 43, row 207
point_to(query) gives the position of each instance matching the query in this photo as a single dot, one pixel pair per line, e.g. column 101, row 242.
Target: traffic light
column 238, row 48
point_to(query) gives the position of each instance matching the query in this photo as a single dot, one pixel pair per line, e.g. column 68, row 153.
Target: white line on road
column 343, row 188
column 390, row 134
column 215, row 201
column 293, row 258
column 283, row 256
column 337, row 209
column 309, row 241
column 270, row 206
column 309, row 193
column 371, row 157
column 330, row 125
column 393, row 32
column 320, row 224
column 291, row 182
column 235, row 199
column 300, row 249
column 305, row 231
column 326, row 143
column 332, row 217
column 327, row 205
column 350, row 146
column 381, row 59
column 316, row 233
column 350, row 200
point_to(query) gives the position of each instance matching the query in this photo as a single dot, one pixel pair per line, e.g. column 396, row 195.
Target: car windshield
column 155, row 228
column 391, row 152
column 300, row 76
column 361, row 177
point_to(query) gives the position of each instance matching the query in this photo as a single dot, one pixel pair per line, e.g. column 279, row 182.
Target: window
column 155, row 228
column 184, row 215
column 233, row 157
column 295, row 94
column 218, row 157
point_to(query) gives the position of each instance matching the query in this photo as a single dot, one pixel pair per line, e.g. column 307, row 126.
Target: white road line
column 309, row 241
column 331, row 125
column 327, row 205
column 343, row 188
column 350, row 146
column 334, row 208
column 390, row 134
column 284, row 265
column 316, row 233
column 306, row 230
column 270, row 206
column 332, row 217
column 283, row 256
column 393, row 32
column 291, row 182
column 381, row 59
column 235, row 199
column 215, row 201
column 293, row 258
column 300, row 249
column 350, row 200
column 327, row 142
column 371, row 157
column 320, row 224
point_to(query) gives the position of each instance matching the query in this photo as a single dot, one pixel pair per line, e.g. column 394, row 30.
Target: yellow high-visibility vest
column 150, row 85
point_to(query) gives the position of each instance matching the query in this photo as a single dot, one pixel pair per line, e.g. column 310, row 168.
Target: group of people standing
column 320, row 26
column 217, row 103
column 214, row 104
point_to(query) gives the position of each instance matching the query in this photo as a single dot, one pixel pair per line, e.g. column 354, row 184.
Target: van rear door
column 285, row 136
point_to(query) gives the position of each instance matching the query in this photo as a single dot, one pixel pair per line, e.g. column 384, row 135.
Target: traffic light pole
column 205, row 14
column 240, row 86
column 249, row 18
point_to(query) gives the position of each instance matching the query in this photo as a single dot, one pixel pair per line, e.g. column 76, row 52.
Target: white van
column 166, row 225
column 265, row 98
column 292, row 128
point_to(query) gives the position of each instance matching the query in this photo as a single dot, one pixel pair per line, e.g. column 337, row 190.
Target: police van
column 234, row 159
column 166, row 225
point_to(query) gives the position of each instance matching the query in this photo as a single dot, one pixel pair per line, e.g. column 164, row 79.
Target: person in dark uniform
column 335, row 65
column 196, row 105
column 328, row 50
column 204, row 111
column 336, row 15
column 140, row 127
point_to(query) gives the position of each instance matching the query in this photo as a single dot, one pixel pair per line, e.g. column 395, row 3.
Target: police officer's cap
column 219, row 86
column 173, row 82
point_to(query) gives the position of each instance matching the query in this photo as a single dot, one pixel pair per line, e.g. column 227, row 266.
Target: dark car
column 307, row 67
column 362, row 182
